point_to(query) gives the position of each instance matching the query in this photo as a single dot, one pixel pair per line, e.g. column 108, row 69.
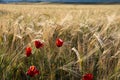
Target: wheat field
column 91, row 35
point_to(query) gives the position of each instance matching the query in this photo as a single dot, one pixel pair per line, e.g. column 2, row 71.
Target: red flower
column 28, row 51
column 32, row 71
column 59, row 42
column 38, row 44
column 87, row 77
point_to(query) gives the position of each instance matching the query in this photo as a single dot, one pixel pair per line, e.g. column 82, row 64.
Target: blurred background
column 69, row 1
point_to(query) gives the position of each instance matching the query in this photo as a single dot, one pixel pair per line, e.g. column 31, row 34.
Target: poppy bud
column 28, row 51
column 87, row 77
column 59, row 42
column 38, row 44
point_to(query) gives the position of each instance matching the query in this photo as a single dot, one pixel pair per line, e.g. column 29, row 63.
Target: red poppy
column 28, row 51
column 38, row 44
column 32, row 71
column 59, row 42
column 87, row 77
